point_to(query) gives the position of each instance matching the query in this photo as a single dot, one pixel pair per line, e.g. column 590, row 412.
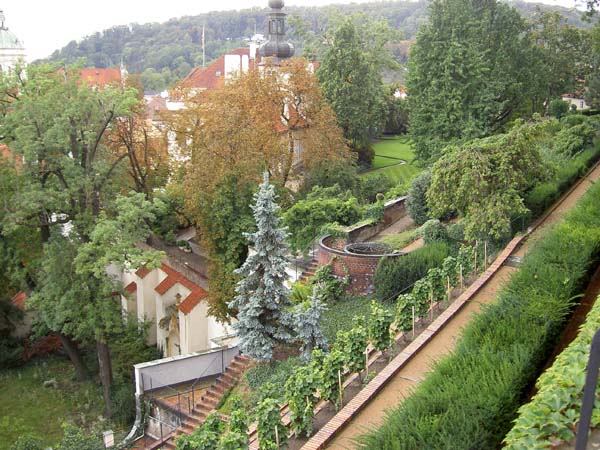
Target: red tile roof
column 131, row 287
column 173, row 277
column 211, row 77
column 142, row 272
column 19, row 300
column 101, row 77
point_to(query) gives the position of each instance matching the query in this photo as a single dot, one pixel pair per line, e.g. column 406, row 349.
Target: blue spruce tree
column 262, row 301
column 307, row 317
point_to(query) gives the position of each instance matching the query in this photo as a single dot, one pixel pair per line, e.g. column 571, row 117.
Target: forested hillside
column 165, row 52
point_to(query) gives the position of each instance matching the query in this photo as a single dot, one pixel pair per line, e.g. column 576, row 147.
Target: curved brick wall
column 361, row 268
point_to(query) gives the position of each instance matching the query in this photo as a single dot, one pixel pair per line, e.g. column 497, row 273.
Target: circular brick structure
column 359, row 267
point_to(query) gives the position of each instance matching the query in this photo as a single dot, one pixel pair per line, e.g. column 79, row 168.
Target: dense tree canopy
column 484, row 180
column 470, row 70
column 69, row 180
column 272, row 119
column 163, row 52
column 350, row 77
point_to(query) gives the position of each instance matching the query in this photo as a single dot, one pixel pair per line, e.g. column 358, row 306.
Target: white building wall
column 578, row 102
column 146, row 303
column 10, row 57
column 233, row 66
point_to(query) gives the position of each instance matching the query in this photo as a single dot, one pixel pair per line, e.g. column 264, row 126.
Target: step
column 226, row 379
column 237, row 365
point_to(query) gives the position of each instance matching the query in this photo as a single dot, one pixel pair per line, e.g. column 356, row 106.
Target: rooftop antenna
column 203, row 49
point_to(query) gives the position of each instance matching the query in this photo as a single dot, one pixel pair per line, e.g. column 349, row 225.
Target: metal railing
column 589, row 393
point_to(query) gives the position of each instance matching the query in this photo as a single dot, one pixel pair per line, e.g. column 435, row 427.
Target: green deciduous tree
column 470, row 70
column 69, row 181
column 484, row 180
column 351, row 82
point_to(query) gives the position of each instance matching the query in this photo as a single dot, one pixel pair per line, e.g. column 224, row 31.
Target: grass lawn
column 388, row 153
column 400, row 240
column 29, row 407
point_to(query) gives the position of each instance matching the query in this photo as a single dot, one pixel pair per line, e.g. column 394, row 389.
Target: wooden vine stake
column 367, row 362
column 448, row 289
column 277, row 436
column 475, row 259
column 340, row 388
column 485, row 256
column 413, row 321
column 461, row 278
column 431, row 305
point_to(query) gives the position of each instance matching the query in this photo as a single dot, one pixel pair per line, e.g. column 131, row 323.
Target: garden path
column 405, row 381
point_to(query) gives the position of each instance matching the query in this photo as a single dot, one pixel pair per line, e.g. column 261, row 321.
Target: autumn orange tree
column 142, row 144
column 273, row 119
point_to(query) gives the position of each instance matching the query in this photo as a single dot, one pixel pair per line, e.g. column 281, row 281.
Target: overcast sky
column 45, row 26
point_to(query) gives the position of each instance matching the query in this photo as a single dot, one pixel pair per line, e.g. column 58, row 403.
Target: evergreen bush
column 416, row 203
column 395, row 275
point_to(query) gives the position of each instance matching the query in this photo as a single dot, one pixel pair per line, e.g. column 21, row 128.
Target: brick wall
column 361, row 268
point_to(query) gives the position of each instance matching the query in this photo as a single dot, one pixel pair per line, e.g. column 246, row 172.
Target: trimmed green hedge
column 470, row 399
column 554, row 411
column 395, row 275
column 545, row 194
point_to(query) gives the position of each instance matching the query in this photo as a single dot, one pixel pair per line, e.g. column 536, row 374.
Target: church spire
column 2, row 19
column 276, row 46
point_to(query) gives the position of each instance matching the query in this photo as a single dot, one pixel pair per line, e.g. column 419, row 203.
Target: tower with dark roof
column 276, row 48
column 12, row 51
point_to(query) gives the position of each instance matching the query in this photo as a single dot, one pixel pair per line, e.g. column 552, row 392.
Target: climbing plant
column 404, row 311
column 353, row 343
column 272, row 434
column 380, row 321
column 331, row 370
column 300, row 395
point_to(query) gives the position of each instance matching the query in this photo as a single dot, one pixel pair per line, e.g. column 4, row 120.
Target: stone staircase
column 208, row 402
column 310, row 271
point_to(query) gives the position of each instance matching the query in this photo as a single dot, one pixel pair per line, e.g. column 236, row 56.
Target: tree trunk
column 105, row 374
column 74, row 355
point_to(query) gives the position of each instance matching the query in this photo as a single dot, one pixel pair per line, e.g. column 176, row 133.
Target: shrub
column 300, row 395
column 558, row 108
column 570, row 141
column 416, row 203
column 342, row 173
column 545, row 194
column 352, row 344
column 206, row 437
column 371, row 185
column 396, row 274
column 470, row 399
column 306, row 218
column 432, row 231
column 331, row 288
column 28, row 442
column 553, row 413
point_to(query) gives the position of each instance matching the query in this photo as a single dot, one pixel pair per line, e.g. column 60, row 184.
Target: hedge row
column 542, row 196
column 395, row 275
column 553, row 413
column 470, row 399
